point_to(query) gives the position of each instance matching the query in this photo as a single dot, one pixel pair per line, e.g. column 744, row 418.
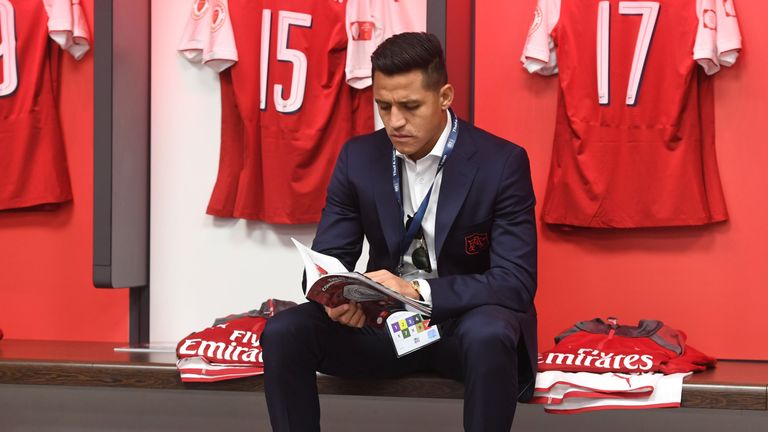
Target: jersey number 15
column 285, row 19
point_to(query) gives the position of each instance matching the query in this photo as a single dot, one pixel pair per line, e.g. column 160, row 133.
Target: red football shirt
column 33, row 165
column 286, row 108
column 596, row 346
column 634, row 136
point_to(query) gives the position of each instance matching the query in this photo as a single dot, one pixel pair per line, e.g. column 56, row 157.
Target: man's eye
column 412, row 107
column 385, row 107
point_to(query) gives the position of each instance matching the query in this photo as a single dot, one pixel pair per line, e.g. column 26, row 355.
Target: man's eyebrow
column 402, row 102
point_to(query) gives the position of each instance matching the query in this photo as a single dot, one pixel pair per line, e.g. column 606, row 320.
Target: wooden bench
column 741, row 385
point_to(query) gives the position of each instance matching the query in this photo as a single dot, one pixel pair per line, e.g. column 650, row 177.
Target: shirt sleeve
column 718, row 38
column 539, row 51
column 67, row 26
column 221, row 51
column 369, row 23
column 425, row 290
column 196, row 32
column 360, row 26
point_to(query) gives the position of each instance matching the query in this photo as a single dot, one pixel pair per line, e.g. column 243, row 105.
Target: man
column 472, row 252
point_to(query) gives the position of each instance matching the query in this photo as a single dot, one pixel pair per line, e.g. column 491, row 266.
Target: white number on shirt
column 8, row 70
column 650, row 12
column 285, row 19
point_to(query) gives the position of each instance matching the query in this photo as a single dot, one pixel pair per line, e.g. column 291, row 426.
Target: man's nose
column 396, row 118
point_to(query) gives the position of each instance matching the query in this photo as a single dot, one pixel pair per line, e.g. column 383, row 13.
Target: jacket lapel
column 458, row 173
column 387, row 205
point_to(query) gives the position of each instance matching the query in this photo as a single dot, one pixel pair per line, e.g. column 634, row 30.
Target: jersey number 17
column 650, row 13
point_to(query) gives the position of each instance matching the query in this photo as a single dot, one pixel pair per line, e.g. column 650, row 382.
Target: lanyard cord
column 415, row 225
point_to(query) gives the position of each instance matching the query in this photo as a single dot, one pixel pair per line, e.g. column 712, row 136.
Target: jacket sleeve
column 510, row 280
column 340, row 232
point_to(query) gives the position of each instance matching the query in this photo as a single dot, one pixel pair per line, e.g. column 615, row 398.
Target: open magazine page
column 330, row 284
column 317, row 264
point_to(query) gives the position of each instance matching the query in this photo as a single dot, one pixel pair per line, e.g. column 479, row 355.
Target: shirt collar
column 439, row 147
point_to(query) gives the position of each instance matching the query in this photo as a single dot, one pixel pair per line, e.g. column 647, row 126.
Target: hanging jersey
column 198, row 27
column 33, row 164
column 596, row 346
column 634, row 135
column 371, row 22
column 286, row 105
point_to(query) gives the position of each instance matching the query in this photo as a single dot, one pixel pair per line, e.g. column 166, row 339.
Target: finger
column 348, row 314
column 337, row 312
column 358, row 318
column 379, row 275
column 362, row 320
column 396, row 283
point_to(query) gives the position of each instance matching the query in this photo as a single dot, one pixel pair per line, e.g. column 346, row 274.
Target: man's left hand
column 394, row 283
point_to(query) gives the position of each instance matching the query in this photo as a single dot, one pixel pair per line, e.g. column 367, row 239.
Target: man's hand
column 394, row 283
column 349, row 314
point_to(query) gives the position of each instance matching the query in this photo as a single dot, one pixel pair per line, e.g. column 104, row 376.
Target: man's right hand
column 349, row 314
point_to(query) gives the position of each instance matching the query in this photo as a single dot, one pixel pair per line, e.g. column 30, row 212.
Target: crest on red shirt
column 219, row 16
column 538, row 17
column 475, row 243
column 362, row 30
column 730, row 10
column 710, row 19
column 199, row 8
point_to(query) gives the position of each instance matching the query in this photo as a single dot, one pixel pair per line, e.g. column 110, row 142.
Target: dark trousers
column 479, row 348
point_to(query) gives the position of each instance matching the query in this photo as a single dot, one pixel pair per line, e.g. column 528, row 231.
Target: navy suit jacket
column 485, row 229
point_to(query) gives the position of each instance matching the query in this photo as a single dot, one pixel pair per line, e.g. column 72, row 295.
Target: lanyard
column 417, row 218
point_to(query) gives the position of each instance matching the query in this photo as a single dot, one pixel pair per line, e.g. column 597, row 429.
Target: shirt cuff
column 425, row 290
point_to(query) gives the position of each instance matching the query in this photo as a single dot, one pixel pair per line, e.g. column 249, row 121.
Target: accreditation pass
column 409, row 332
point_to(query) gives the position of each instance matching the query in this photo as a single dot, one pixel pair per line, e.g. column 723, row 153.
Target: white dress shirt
column 417, row 177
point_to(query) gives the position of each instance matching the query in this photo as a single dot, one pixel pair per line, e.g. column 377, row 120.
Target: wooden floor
column 731, row 385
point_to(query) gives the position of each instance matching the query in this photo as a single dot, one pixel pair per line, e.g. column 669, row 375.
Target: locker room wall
column 710, row 281
column 45, row 256
column 203, row 267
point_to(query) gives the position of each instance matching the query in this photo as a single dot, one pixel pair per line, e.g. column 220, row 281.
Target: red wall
column 46, row 257
column 458, row 40
column 711, row 281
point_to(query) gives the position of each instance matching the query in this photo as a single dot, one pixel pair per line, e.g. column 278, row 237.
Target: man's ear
column 446, row 96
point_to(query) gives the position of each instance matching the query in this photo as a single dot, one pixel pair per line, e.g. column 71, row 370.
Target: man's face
column 414, row 116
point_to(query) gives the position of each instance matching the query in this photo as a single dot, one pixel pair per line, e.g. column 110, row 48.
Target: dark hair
column 406, row 52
